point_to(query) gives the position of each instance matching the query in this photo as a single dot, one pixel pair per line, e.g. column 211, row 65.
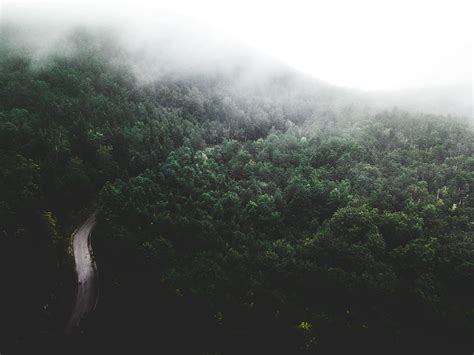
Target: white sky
column 367, row 44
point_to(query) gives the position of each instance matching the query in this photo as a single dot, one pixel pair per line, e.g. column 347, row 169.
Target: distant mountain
column 453, row 100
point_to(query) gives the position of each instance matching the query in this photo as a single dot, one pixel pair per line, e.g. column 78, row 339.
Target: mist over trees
column 242, row 206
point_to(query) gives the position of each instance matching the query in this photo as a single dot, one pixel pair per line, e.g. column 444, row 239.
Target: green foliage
column 234, row 215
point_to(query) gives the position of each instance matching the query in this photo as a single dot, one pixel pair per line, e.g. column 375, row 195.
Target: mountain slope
column 239, row 209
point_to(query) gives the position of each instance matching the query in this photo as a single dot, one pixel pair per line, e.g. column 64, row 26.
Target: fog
column 382, row 48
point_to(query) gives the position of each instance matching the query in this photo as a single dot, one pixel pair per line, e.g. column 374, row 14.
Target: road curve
column 87, row 290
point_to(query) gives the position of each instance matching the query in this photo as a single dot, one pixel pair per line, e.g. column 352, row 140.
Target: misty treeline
column 272, row 214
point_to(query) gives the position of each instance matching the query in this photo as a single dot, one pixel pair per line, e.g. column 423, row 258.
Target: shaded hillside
column 271, row 213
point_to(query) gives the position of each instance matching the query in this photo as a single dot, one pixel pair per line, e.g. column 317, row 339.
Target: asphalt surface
column 87, row 290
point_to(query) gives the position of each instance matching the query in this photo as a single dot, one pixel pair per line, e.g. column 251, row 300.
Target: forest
column 276, row 215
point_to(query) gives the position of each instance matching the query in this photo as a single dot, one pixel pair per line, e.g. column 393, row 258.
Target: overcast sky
column 367, row 44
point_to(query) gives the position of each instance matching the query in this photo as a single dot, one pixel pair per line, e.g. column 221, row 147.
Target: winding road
column 87, row 291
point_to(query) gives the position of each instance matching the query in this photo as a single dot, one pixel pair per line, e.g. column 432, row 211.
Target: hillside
column 239, row 208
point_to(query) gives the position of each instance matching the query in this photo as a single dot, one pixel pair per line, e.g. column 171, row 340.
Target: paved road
column 86, row 271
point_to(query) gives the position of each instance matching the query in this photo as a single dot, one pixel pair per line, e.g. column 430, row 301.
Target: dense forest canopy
column 278, row 213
